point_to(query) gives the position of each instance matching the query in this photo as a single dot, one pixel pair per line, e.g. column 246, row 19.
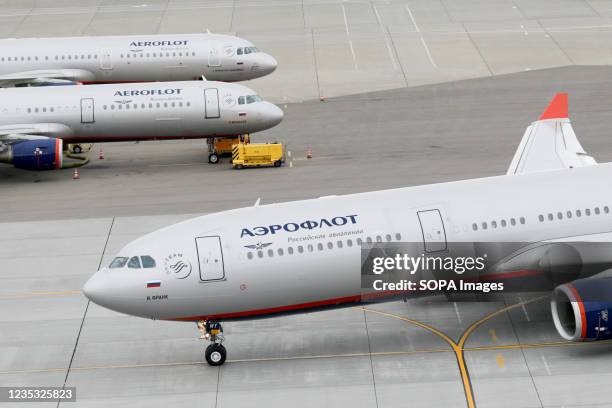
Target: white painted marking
column 386, row 38
column 524, row 30
column 457, row 313
column 348, row 34
column 524, row 309
column 418, row 30
column 546, row 366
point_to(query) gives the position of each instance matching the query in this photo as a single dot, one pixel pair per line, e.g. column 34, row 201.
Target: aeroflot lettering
column 157, row 43
column 295, row 226
column 145, row 92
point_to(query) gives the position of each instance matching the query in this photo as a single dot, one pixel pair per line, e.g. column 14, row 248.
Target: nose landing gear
column 215, row 352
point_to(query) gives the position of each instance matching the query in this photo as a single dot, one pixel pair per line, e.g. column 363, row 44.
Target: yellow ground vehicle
column 257, row 154
column 221, row 146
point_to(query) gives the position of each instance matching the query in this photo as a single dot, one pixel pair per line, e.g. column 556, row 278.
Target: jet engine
column 37, row 154
column 580, row 309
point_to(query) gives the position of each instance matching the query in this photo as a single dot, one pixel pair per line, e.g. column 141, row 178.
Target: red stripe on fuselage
column 104, row 139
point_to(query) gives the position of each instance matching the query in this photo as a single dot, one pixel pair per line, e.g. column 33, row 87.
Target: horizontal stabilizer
column 550, row 143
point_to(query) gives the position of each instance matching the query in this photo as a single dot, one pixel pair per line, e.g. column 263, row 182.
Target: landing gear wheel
column 213, row 158
column 77, row 149
column 238, row 166
column 215, row 354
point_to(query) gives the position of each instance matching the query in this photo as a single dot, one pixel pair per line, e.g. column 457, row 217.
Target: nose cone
column 263, row 64
column 269, row 63
column 95, row 289
column 274, row 114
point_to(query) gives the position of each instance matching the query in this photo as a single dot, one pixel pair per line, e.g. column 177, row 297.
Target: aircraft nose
column 274, row 115
column 95, row 289
column 268, row 63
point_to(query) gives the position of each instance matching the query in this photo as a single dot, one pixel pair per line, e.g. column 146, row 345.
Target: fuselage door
column 87, row 110
column 214, row 54
column 211, row 100
column 210, row 258
column 432, row 227
column 106, row 59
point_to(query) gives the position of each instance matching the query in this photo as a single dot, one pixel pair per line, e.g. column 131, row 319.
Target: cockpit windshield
column 249, row 99
column 135, row 262
column 246, row 50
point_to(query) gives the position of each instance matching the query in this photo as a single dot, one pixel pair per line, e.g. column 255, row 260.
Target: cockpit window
column 246, row 50
column 253, row 99
column 147, row 261
column 134, row 263
column 118, row 262
column 241, row 100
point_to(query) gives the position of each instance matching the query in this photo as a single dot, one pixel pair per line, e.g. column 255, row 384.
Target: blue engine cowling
column 38, row 154
column 580, row 309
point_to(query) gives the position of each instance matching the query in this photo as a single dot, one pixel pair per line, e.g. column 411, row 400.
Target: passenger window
column 320, row 246
column 475, row 226
column 606, row 209
column 118, row 262
column 587, row 211
column 541, row 218
column 147, row 261
column 578, row 213
column 522, row 220
column 330, row 245
column 300, row 249
column 270, row 253
column 369, row 240
column 493, row 224
column 512, row 221
column 597, row 210
column 398, row 236
column 550, row 217
column 134, row 263
column 349, row 242
column 569, row 214
column 388, row 237
column 559, row 215
column 290, row 250
column 250, row 255
column 260, row 254
column 504, row 223
column 359, row 241
column 339, row 244
column 280, row 251
column 484, row 225
column 310, row 248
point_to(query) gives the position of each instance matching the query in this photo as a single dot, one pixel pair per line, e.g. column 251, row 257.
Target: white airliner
column 35, row 122
column 294, row 257
column 134, row 58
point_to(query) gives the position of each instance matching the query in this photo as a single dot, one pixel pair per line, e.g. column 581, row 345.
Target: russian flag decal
column 154, row 284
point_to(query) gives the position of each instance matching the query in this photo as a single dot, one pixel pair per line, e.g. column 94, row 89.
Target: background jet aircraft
column 35, row 122
column 136, row 58
column 290, row 257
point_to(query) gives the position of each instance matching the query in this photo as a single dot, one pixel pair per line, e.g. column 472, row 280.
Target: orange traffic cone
column 75, row 175
column 309, row 153
column 101, row 156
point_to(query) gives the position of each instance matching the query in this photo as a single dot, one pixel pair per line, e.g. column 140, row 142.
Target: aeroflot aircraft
column 178, row 57
column 260, row 261
column 35, row 122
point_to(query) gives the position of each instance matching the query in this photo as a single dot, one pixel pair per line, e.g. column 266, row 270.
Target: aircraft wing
column 45, row 77
column 10, row 134
column 550, row 143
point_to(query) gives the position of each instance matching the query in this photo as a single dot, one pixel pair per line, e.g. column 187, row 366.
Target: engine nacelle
column 580, row 309
column 37, row 154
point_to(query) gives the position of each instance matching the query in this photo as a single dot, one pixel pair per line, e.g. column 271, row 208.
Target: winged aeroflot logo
column 177, row 265
column 259, row 246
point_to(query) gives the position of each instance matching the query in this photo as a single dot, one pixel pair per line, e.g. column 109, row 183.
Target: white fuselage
column 120, row 112
column 261, row 260
column 138, row 58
